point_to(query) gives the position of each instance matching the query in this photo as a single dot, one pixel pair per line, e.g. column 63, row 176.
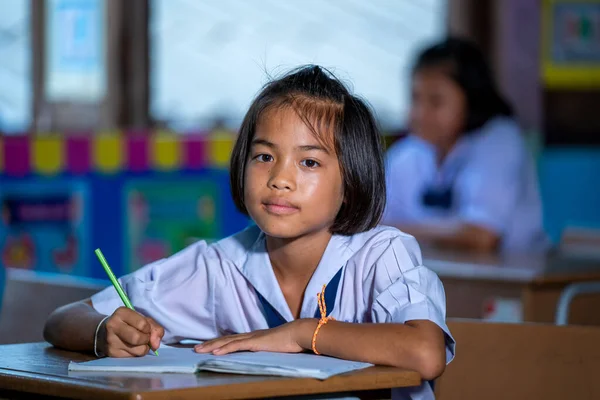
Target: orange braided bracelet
column 324, row 318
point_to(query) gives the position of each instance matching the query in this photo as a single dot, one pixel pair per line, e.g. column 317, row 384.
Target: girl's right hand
column 126, row 333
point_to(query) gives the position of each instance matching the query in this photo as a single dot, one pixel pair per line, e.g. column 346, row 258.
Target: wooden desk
column 37, row 369
column 536, row 280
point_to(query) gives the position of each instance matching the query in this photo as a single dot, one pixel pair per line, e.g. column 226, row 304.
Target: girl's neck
column 443, row 148
column 295, row 260
column 442, row 145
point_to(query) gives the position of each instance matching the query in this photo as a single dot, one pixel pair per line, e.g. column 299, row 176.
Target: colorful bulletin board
column 138, row 196
column 163, row 218
column 571, row 44
column 45, row 226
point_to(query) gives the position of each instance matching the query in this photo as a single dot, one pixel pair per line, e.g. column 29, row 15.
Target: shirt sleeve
column 489, row 186
column 404, row 184
column 404, row 290
column 175, row 292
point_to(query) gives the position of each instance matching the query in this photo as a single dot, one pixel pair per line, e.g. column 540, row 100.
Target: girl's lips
column 280, row 207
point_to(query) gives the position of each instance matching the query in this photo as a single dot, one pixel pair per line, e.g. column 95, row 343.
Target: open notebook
column 185, row 360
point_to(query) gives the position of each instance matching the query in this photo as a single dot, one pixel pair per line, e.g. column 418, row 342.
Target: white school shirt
column 493, row 180
column 206, row 291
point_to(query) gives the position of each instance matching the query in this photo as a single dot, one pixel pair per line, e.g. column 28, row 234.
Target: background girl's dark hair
column 466, row 65
column 324, row 104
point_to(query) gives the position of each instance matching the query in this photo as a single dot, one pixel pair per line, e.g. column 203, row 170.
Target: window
column 75, row 70
column 15, row 68
column 209, row 58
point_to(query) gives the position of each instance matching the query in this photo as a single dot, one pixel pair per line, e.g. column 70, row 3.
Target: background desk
column 37, row 369
column 472, row 281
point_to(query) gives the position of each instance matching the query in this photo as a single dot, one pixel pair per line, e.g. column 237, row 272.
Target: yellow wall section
column 219, row 149
column 165, row 151
column 48, row 154
column 108, row 152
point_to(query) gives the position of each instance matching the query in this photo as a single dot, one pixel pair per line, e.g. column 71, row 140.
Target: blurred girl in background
column 463, row 178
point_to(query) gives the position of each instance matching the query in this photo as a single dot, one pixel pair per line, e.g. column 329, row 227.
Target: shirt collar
column 259, row 272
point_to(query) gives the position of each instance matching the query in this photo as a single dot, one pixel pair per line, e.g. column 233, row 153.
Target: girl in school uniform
column 308, row 168
column 464, row 177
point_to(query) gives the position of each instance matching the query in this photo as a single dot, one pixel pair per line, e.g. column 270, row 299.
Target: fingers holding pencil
column 156, row 333
column 127, row 333
column 147, row 325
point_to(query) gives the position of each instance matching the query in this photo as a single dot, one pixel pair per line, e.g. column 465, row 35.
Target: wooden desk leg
column 528, row 300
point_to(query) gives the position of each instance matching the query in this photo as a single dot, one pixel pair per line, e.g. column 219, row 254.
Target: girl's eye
column 264, row 158
column 310, row 163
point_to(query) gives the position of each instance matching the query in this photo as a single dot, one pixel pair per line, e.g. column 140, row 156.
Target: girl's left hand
column 286, row 338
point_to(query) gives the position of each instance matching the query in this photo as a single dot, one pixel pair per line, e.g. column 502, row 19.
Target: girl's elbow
column 429, row 360
column 432, row 363
column 49, row 331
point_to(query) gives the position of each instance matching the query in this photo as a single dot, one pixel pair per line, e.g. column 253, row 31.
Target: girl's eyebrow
column 263, row 142
column 313, row 147
column 307, row 147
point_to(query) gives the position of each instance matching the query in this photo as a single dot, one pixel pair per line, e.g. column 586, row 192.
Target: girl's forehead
column 436, row 81
column 433, row 75
column 285, row 123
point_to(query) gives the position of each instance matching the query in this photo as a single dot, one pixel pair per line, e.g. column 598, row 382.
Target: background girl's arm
column 489, row 188
column 454, row 235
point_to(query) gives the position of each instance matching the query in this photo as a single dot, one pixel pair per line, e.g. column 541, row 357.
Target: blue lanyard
column 274, row 319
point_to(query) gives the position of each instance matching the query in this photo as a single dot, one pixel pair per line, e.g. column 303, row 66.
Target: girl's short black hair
column 465, row 64
column 325, row 105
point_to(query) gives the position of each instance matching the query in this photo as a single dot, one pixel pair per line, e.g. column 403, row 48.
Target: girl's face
column 293, row 183
column 438, row 109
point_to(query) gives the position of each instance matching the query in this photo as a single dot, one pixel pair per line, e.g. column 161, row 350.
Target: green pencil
column 115, row 282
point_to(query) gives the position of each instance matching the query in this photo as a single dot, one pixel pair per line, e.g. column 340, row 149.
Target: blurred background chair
column 31, row 296
column 567, row 296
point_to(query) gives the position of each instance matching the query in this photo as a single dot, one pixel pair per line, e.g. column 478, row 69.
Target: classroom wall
column 570, row 188
column 555, row 117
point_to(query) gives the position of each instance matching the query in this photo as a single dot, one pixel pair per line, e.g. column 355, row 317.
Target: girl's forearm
column 72, row 327
column 416, row 345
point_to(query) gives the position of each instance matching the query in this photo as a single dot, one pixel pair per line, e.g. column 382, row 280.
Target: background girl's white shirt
column 494, row 184
column 206, row 291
